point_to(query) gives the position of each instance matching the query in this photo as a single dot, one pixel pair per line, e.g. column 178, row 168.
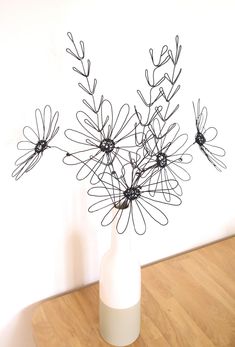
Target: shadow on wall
column 229, row 230
column 78, row 266
column 81, row 252
column 75, row 263
column 18, row 332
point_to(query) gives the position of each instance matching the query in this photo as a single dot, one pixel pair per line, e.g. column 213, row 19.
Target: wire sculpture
column 36, row 141
column 100, row 146
column 205, row 135
column 166, row 156
column 135, row 162
column 128, row 201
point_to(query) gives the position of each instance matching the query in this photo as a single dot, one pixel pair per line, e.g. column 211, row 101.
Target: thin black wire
column 172, row 90
column 102, row 139
column 135, row 163
column 203, row 138
column 101, row 147
column 130, row 199
column 161, row 93
column 165, row 156
column 36, row 141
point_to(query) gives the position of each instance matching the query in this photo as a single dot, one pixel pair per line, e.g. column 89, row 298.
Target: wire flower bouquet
column 136, row 162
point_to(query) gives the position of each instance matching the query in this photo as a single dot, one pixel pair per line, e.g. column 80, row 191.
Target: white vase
column 120, row 292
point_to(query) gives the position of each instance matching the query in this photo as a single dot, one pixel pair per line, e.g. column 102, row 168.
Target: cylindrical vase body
column 120, row 292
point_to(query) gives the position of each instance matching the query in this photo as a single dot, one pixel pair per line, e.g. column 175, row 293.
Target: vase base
column 119, row 327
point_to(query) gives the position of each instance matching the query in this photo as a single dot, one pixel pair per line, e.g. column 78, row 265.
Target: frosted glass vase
column 120, row 292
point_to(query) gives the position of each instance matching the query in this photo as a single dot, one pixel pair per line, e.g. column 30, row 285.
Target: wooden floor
column 188, row 300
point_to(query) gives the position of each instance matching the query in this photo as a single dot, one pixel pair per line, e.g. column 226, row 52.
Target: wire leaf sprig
column 154, row 83
column 173, row 89
column 85, row 72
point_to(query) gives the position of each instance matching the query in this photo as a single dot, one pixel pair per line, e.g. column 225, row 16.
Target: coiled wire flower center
column 107, row 145
column 40, row 146
column 161, row 159
column 132, row 193
column 200, row 139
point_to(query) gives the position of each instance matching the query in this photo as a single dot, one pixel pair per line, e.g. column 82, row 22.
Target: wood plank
column 201, row 276
column 202, row 306
column 187, row 301
column 216, row 273
column 174, row 322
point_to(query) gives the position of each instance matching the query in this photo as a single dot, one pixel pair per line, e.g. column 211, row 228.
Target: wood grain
column 188, row 300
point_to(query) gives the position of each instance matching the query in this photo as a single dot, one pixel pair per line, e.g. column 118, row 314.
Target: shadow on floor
column 18, row 332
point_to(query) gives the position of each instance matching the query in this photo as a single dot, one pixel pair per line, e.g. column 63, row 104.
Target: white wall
column 48, row 241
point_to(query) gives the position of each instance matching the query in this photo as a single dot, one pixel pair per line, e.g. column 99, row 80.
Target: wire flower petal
column 205, row 136
column 36, row 141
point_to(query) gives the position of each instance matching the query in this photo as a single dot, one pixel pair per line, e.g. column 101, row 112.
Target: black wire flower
column 101, row 143
column 165, row 157
column 205, row 136
column 36, row 141
column 136, row 172
column 128, row 202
